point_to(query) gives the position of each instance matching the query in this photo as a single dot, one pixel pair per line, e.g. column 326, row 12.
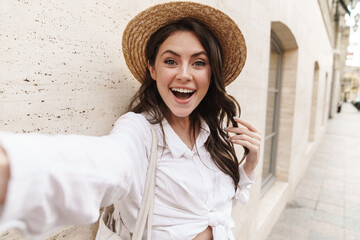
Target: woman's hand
column 250, row 138
column 4, row 175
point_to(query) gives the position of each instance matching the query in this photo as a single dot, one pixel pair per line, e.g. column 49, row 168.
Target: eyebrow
column 178, row 55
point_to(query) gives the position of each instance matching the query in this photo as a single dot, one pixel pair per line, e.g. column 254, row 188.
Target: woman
column 184, row 54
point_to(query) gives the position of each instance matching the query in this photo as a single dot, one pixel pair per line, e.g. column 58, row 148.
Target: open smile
column 183, row 94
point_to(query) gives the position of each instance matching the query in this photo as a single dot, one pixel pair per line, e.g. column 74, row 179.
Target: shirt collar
column 176, row 146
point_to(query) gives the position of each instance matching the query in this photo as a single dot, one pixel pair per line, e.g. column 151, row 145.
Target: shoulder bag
column 107, row 222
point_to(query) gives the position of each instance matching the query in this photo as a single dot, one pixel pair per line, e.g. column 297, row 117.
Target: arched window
column 314, row 97
column 272, row 111
column 280, row 105
column 324, row 100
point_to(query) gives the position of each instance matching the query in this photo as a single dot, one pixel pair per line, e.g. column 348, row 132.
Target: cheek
column 164, row 78
column 205, row 81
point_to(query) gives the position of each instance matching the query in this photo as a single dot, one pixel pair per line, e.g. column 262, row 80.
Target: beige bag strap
column 147, row 202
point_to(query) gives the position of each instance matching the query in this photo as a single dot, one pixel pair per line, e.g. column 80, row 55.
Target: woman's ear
column 152, row 71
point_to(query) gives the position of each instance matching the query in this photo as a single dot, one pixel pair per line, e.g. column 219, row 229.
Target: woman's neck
column 182, row 126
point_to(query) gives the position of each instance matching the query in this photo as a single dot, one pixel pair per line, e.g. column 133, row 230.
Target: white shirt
column 64, row 179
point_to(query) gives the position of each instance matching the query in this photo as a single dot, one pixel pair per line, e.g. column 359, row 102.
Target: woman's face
column 182, row 72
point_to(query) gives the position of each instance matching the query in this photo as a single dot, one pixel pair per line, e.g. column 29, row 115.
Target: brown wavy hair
column 216, row 108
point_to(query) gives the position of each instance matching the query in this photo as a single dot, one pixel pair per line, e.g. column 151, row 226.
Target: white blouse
column 64, row 179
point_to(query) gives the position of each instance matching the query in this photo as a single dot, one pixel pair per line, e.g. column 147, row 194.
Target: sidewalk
column 326, row 203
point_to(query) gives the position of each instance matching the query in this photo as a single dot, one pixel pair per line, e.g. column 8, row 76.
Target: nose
column 184, row 73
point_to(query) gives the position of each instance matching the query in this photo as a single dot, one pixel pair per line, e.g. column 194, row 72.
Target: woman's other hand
column 4, row 175
column 249, row 137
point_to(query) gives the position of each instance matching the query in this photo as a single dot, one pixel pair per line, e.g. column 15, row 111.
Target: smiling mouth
column 182, row 93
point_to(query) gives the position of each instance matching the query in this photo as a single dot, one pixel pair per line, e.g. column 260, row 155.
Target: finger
column 243, row 137
column 238, row 130
column 252, row 148
column 246, row 124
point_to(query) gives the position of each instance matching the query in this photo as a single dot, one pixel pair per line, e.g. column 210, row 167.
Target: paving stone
column 353, row 189
column 297, row 215
column 352, row 197
column 315, row 175
column 352, row 235
column 288, row 232
column 278, row 237
column 350, row 180
column 335, row 219
column 330, row 208
column 333, row 184
column 352, row 224
column 331, row 197
column 306, row 182
column 304, row 202
column 327, row 230
column 307, row 192
column 352, row 209
column 336, row 168
column 320, row 236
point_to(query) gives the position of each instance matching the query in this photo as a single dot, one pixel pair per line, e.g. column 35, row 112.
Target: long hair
column 215, row 108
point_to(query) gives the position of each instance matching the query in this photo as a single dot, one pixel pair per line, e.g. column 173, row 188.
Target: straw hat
column 142, row 26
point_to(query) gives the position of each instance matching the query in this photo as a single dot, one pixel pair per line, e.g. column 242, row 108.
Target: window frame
column 271, row 177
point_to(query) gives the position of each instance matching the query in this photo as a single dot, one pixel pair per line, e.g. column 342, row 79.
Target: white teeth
column 182, row 90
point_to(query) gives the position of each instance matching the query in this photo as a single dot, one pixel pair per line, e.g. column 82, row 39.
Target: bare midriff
column 205, row 235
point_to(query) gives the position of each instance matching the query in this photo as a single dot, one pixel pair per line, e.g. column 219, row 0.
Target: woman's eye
column 199, row 63
column 170, row 62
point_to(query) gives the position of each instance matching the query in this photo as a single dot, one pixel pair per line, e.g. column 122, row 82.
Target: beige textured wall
column 62, row 68
column 62, row 71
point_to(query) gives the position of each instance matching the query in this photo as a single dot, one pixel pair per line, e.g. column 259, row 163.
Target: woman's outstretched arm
column 61, row 180
column 64, row 179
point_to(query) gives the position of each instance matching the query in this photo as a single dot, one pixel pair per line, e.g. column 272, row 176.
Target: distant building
column 333, row 12
column 350, row 84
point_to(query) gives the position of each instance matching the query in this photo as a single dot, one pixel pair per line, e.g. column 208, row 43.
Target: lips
column 182, row 93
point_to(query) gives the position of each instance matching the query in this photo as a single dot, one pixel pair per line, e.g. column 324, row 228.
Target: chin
column 181, row 114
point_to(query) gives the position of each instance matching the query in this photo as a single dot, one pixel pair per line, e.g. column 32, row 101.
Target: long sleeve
column 64, row 179
column 242, row 194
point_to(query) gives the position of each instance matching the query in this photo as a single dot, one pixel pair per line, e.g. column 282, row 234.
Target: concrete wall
column 62, row 71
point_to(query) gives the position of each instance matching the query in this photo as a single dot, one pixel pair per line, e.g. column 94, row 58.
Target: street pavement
column 326, row 203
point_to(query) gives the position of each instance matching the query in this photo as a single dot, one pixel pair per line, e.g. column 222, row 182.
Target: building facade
column 63, row 72
column 350, row 84
column 333, row 12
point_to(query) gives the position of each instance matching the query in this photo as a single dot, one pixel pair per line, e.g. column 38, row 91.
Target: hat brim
column 139, row 30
